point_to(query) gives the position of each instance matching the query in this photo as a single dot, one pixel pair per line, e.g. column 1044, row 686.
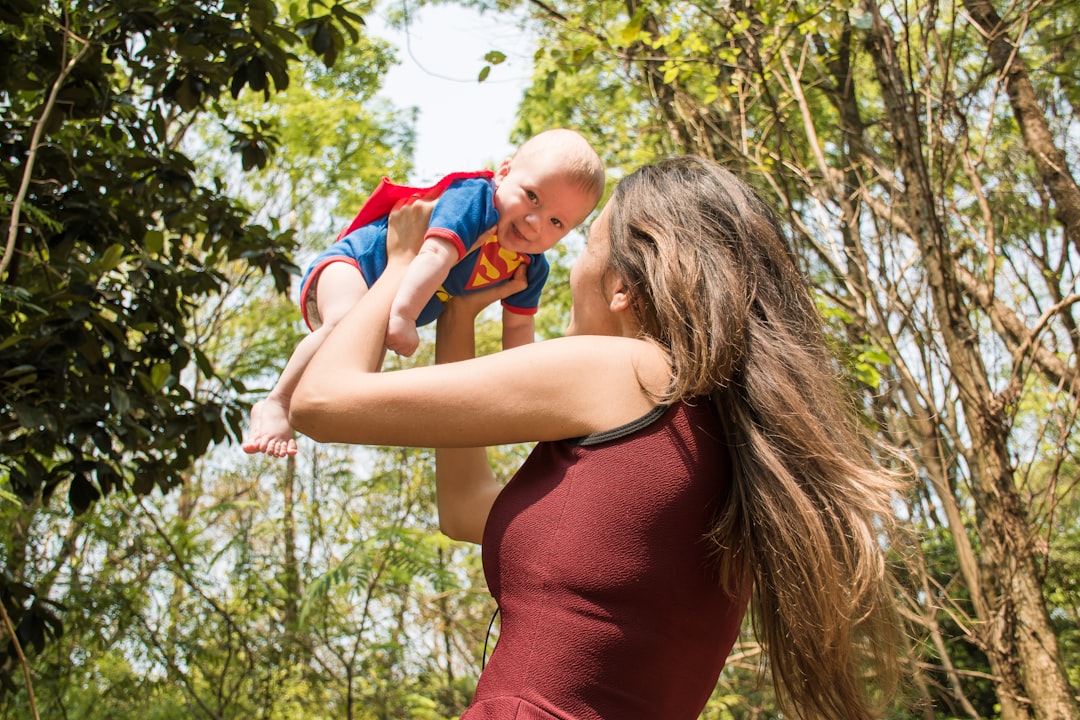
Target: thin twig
column 22, row 661
column 31, row 155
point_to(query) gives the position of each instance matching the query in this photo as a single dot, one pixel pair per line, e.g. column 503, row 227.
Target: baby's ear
column 503, row 171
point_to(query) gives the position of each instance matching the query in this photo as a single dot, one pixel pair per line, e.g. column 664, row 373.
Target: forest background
column 167, row 165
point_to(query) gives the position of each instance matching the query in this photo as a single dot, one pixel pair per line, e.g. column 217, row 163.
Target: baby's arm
column 426, row 273
column 517, row 329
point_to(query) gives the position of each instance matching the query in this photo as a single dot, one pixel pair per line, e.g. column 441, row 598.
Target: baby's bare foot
column 270, row 431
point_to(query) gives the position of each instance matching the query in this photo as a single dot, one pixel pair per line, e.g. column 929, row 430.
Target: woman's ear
column 620, row 298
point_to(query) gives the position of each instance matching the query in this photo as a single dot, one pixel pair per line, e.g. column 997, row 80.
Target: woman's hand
column 455, row 331
column 407, row 225
column 468, row 305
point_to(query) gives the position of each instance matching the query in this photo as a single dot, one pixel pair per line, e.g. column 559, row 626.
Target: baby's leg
column 340, row 285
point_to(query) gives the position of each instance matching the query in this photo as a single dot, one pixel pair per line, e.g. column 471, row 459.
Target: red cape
column 387, row 194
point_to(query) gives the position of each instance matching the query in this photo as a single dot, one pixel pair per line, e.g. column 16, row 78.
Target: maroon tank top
column 595, row 553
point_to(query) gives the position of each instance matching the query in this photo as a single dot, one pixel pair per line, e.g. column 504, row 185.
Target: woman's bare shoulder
column 553, row 389
column 606, row 380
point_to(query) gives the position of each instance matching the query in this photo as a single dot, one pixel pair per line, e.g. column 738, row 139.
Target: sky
column 463, row 124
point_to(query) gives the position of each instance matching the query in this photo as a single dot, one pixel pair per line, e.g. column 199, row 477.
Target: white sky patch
column 463, row 124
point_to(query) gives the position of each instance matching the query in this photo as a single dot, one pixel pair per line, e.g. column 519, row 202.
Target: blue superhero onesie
column 464, row 215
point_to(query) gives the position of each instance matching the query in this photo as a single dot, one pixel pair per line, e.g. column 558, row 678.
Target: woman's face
column 591, row 287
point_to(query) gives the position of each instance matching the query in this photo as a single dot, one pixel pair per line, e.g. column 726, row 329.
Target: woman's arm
column 518, row 329
column 550, row 390
column 465, row 485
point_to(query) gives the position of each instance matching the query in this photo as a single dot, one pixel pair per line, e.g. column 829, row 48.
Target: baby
column 483, row 228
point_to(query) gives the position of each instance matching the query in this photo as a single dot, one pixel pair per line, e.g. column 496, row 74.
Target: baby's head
column 546, row 189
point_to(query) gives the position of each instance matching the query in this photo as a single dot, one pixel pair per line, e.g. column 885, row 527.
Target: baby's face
column 537, row 204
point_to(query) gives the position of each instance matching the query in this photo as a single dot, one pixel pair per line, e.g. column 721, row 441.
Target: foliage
column 142, row 300
column 113, row 241
column 906, row 147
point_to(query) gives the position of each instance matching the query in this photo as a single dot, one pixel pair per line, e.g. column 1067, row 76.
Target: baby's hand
column 401, row 335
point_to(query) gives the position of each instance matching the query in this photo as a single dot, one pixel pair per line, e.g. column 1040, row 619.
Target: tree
column 112, row 241
column 923, row 156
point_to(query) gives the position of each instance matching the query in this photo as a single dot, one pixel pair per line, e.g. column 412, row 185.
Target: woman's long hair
column 715, row 283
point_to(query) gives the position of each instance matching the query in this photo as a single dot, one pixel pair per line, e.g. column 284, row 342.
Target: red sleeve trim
column 518, row 310
column 450, row 236
column 307, row 296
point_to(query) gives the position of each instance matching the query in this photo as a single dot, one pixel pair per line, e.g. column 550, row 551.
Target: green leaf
column 160, row 374
column 82, row 494
column 630, row 33
column 154, row 241
column 257, row 14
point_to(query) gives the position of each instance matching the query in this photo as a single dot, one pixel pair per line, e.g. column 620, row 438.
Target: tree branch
column 31, row 155
column 1049, row 159
column 22, row 661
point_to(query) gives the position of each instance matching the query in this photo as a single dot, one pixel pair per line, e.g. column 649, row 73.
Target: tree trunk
column 1015, row 632
column 292, row 571
column 1049, row 159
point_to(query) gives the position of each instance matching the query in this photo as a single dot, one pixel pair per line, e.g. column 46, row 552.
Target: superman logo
column 494, row 263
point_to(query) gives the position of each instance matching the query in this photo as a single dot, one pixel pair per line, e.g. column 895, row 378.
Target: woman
column 694, row 451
